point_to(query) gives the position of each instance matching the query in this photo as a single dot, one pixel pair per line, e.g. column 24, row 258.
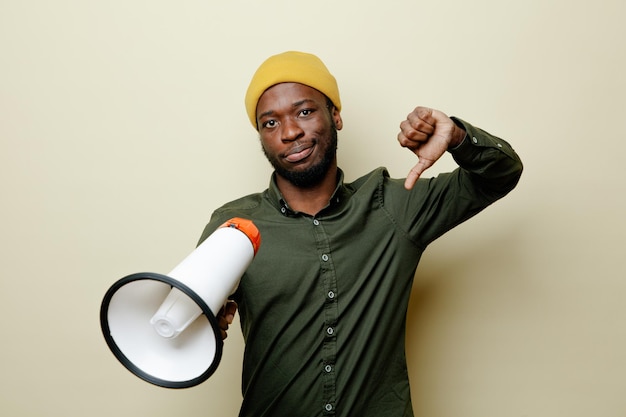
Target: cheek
column 269, row 146
column 265, row 140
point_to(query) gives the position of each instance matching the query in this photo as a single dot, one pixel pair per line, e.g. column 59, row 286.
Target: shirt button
column 328, row 368
column 474, row 139
column 316, row 222
column 331, row 295
column 325, row 257
column 328, row 407
column 499, row 145
column 330, row 331
column 283, row 210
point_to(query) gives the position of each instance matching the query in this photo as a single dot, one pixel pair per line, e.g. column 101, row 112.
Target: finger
column 404, row 141
column 415, row 132
column 415, row 173
column 229, row 310
column 223, row 324
column 422, row 119
column 412, row 139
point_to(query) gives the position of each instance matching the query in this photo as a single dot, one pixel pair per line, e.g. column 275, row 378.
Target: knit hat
column 297, row 67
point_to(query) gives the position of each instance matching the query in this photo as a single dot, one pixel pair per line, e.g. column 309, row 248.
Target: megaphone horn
column 163, row 328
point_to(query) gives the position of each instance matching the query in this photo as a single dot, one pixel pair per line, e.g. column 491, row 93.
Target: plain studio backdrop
column 122, row 127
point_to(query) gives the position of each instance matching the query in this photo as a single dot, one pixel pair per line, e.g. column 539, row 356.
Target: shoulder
column 377, row 181
column 373, row 179
column 245, row 207
column 248, row 202
column 249, row 206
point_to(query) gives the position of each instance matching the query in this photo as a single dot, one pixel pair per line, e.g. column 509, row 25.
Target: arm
column 488, row 169
column 430, row 133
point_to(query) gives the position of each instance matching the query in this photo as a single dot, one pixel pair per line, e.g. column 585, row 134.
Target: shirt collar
column 278, row 201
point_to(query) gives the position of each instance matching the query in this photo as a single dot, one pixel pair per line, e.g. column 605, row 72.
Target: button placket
column 330, row 311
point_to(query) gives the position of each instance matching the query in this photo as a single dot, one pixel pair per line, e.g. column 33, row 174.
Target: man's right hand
column 226, row 316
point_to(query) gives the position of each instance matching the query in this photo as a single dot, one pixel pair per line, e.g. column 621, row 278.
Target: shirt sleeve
column 490, row 160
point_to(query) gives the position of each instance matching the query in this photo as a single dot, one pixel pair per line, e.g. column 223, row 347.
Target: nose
column 291, row 130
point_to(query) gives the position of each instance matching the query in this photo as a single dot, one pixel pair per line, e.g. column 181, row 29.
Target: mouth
column 299, row 153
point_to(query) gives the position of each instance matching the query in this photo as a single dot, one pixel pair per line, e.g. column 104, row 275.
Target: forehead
column 288, row 95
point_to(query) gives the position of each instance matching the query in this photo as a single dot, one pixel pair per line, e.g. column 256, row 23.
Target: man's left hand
column 428, row 133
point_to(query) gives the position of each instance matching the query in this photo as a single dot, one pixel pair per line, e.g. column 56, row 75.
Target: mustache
column 299, row 146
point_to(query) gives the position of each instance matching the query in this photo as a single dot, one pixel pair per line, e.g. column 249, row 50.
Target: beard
column 313, row 175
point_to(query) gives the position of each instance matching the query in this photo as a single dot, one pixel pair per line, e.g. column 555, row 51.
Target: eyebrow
column 294, row 105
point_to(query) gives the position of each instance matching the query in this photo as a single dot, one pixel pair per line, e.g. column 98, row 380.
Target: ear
column 336, row 116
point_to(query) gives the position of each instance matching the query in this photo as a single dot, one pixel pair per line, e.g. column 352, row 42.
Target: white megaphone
column 163, row 328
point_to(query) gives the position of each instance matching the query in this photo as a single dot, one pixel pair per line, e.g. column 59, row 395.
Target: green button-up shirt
column 323, row 304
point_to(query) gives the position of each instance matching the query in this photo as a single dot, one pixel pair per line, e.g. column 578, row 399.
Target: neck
column 310, row 200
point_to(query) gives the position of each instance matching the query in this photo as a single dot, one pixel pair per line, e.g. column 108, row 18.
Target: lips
column 299, row 153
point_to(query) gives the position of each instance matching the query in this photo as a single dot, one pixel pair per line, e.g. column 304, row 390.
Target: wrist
column 457, row 136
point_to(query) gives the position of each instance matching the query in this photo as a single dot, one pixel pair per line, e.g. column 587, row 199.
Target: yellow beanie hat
column 296, row 67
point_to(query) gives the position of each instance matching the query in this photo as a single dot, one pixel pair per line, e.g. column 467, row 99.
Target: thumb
column 415, row 173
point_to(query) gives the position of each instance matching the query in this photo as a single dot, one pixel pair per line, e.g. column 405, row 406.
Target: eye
column 268, row 124
column 306, row 112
